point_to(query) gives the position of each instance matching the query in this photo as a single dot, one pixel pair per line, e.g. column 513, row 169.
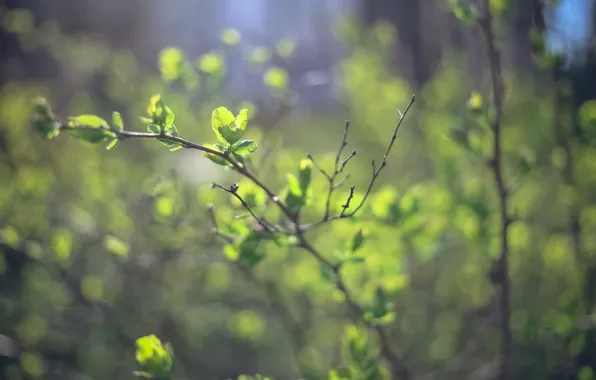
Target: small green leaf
column 357, row 240
column 294, row 202
column 171, row 60
column 230, row 134
column 154, row 128
column 44, row 120
column 259, row 55
column 305, row 175
column 221, row 117
column 230, row 36
column 241, row 119
column 244, row 147
column 116, row 246
column 112, row 144
column 326, row 273
column 277, row 78
column 249, row 250
column 355, row 259
column 88, row 121
column 159, row 112
column 117, row 121
column 93, row 136
column 216, row 159
column 212, row 63
column 294, row 185
column 155, row 358
column 48, row 128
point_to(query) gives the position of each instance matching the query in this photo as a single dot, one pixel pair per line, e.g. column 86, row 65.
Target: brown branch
column 375, row 174
column 494, row 57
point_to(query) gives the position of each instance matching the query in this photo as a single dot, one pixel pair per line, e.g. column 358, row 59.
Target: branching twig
column 494, row 58
column 234, row 191
column 337, row 169
column 375, row 174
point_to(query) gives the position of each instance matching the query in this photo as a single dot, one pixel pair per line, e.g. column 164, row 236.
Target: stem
column 486, row 25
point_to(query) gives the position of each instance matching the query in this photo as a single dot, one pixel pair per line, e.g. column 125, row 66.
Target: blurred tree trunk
column 427, row 31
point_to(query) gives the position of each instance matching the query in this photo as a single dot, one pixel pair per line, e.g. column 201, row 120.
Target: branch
column 375, row 174
column 234, row 191
column 486, row 25
column 337, row 169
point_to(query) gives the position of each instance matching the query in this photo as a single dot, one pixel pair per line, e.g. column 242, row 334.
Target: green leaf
column 145, row 120
column 159, row 112
column 294, row 202
column 47, row 128
column 88, row 121
column 355, row 260
column 305, row 175
column 116, row 246
column 294, row 185
column 230, row 36
column 117, row 121
column 44, row 120
column 92, row 136
column 241, row 119
column 357, row 240
column 380, row 307
column 221, row 117
column 230, row 134
column 216, row 159
column 155, row 357
column 244, row 147
column 326, row 273
column 277, row 78
column 112, row 144
column 249, row 250
column 171, row 60
column 212, row 63
column 259, row 55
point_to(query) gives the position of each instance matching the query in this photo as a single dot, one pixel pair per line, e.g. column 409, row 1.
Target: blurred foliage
column 100, row 248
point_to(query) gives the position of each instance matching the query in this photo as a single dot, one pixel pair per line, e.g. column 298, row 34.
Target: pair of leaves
column 229, row 130
column 227, row 127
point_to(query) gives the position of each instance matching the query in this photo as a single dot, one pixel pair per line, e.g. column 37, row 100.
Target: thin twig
column 234, row 191
column 494, row 58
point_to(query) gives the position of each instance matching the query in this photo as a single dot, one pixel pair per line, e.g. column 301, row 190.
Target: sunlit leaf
column 244, row 147
column 117, row 121
column 277, row 78
column 230, row 36
column 241, row 119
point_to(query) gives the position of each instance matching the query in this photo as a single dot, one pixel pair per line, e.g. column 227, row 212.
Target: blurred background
column 98, row 248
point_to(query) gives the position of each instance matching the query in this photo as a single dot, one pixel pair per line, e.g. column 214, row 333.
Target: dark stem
column 494, row 58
